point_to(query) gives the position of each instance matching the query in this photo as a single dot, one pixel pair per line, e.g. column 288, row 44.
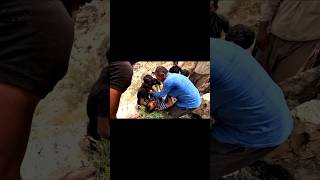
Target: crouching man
column 252, row 117
column 179, row 87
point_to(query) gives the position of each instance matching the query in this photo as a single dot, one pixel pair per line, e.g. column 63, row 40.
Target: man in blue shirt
column 179, row 87
column 252, row 117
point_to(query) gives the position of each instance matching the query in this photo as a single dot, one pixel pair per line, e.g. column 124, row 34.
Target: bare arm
column 268, row 11
column 170, row 102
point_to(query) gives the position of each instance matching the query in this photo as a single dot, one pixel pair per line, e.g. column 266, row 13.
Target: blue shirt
column 250, row 108
column 180, row 87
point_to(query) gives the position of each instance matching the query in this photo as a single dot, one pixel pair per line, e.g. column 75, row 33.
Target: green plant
column 101, row 159
column 154, row 115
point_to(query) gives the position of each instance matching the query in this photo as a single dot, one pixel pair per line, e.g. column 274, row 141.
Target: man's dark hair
column 185, row 72
column 161, row 69
column 241, row 35
column 147, row 80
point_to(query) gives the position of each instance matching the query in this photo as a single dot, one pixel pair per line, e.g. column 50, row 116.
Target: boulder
column 204, row 109
column 301, row 88
column 301, row 153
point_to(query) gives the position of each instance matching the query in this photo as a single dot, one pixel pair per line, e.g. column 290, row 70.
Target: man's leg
column 283, row 59
column 227, row 158
column 16, row 111
column 297, row 56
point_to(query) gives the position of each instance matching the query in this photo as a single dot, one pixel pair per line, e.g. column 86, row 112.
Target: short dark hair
column 241, row 35
column 185, row 72
column 147, row 80
column 161, row 69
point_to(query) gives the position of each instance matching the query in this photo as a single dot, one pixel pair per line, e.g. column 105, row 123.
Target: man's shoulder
column 120, row 75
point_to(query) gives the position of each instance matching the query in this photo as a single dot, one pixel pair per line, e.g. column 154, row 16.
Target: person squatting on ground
column 218, row 23
column 149, row 84
column 288, row 36
column 179, row 87
column 251, row 113
column 31, row 64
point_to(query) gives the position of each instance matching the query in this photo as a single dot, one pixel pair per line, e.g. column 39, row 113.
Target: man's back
column 250, row 107
column 182, row 88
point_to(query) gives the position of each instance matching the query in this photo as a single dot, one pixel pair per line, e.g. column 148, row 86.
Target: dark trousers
column 227, row 158
column 177, row 112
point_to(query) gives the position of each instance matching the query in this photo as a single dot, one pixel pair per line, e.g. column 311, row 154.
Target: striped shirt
column 161, row 105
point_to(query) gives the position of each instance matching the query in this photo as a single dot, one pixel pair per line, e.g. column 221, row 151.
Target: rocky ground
column 59, row 124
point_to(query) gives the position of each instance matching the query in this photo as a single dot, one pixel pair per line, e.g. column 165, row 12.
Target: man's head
column 148, row 81
column 185, row 72
column 161, row 73
column 175, row 63
column 241, row 35
column 213, row 6
column 151, row 106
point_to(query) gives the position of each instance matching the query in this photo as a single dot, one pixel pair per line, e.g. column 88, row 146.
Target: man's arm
column 268, row 11
column 167, row 86
column 170, row 102
column 114, row 102
column 120, row 76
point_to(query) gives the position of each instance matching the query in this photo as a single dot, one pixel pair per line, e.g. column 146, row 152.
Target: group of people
column 249, row 108
column 171, row 91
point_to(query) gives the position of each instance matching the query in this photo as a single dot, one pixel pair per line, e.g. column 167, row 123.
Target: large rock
column 301, row 153
column 301, row 88
column 204, row 109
